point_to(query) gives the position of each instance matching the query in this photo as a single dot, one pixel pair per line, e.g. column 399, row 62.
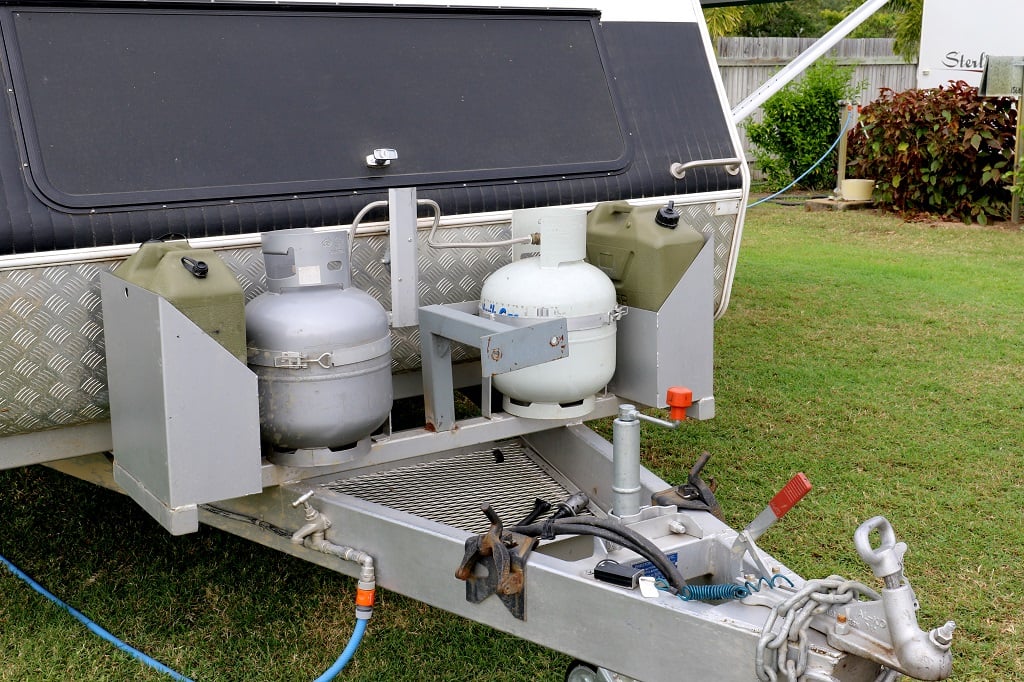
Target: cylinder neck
column 563, row 233
column 301, row 257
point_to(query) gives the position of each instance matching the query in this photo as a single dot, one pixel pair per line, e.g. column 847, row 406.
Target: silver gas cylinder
column 321, row 350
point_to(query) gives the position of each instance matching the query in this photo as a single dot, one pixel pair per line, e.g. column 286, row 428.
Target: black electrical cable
column 245, row 518
column 612, row 532
column 628, row 532
column 535, row 531
column 648, row 549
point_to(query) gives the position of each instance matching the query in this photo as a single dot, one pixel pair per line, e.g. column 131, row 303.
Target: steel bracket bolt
column 676, row 526
column 943, row 636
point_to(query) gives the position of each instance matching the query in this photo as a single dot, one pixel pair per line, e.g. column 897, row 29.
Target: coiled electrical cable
column 725, row 591
column 769, row 582
column 714, row 592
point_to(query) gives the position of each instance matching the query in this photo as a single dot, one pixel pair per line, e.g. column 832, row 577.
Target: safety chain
column 815, row 597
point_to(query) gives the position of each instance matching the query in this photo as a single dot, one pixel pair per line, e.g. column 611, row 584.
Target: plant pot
column 857, row 190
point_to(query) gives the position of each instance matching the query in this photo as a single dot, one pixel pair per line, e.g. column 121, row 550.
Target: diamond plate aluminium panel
column 52, row 355
column 52, row 363
column 53, row 369
column 723, row 228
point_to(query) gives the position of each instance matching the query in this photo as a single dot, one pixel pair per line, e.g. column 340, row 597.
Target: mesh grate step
column 450, row 490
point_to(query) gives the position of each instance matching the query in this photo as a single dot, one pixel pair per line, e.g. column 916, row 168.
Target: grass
column 884, row 359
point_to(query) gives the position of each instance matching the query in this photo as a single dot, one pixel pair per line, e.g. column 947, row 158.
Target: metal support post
column 405, row 300
column 845, row 110
column 1018, row 150
column 626, row 462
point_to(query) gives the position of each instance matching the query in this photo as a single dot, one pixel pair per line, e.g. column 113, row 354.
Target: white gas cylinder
column 555, row 283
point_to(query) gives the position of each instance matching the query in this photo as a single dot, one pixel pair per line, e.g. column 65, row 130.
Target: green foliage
column 881, row 24
column 901, row 19
column 942, row 151
column 800, row 18
column 908, row 15
column 800, row 122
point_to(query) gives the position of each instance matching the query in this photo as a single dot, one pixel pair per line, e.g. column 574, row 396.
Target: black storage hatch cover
column 129, row 106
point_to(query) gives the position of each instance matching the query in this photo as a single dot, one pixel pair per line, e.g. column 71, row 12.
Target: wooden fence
column 746, row 63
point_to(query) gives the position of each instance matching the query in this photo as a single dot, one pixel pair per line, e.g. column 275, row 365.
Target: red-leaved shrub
column 940, row 151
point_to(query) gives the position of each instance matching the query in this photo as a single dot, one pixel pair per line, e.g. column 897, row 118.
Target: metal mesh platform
column 451, row 490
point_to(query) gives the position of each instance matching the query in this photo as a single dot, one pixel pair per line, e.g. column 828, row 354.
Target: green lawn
column 884, row 359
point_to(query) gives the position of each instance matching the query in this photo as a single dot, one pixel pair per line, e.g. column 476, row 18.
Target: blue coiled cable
column 725, row 591
column 714, row 592
column 769, row 582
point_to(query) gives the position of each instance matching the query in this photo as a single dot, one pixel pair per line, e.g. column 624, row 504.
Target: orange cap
column 679, row 398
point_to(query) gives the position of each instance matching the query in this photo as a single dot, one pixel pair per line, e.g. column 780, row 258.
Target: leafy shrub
column 800, row 122
column 941, row 151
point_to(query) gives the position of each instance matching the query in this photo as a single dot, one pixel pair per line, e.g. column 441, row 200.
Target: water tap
column 316, row 523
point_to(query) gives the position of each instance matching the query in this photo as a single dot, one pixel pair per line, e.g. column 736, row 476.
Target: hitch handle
column 783, row 501
column 790, row 494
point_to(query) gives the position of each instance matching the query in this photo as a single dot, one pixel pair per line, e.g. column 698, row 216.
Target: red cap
column 679, row 398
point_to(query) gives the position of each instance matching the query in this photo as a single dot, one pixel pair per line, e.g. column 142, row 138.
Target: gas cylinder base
column 318, row 457
column 578, row 408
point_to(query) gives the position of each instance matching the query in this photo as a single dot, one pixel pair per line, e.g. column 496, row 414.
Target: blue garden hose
column 845, row 128
column 329, row 674
column 93, row 627
column 347, row 654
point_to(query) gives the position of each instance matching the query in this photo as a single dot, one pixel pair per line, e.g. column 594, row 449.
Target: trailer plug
column 574, row 506
column 623, row 575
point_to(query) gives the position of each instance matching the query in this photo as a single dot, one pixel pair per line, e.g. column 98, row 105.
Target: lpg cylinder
column 557, row 283
column 321, row 350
